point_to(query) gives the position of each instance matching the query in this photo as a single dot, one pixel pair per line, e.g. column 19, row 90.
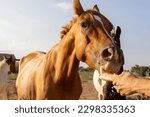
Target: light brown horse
column 4, row 69
column 54, row 75
column 11, row 61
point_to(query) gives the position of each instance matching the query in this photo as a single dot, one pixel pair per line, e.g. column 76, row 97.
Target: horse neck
column 66, row 64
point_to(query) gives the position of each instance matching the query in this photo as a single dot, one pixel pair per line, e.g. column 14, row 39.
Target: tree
column 140, row 70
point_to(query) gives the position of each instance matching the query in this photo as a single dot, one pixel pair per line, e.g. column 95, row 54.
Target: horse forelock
column 107, row 26
column 105, row 22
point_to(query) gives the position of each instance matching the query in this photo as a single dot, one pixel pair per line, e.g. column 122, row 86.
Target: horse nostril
column 107, row 54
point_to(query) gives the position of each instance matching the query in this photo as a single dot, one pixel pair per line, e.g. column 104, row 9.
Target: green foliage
column 141, row 70
column 88, row 69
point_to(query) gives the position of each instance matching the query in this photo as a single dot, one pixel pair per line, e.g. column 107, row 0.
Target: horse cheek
column 80, row 51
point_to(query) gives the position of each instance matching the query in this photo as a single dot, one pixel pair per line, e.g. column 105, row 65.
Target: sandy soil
column 88, row 93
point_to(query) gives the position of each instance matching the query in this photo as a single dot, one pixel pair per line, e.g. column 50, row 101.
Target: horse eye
column 85, row 24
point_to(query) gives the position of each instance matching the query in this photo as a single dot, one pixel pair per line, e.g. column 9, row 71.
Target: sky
column 30, row 25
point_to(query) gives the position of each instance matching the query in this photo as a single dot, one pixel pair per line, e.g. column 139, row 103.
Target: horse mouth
column 111, row 68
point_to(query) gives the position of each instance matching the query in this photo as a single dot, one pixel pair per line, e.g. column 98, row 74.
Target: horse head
column 96, row 40
column 12, row 62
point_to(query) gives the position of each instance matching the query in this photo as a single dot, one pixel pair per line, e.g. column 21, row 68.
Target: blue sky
column 29, row 25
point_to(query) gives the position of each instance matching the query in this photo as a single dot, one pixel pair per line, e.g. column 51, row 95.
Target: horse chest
column 65, row 94
column 64, row 90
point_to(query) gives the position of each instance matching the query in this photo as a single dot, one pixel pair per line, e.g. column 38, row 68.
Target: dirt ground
column 88, row 93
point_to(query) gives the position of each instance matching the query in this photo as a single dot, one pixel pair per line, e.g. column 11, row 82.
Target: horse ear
column 117, row 36
column 118, row 32
column 8, row 59
column 95, row 8
column 4, row 59
column 77, row 7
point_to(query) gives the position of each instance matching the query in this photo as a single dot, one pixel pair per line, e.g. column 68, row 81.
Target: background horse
column 4, row 69
column 54, row 75
column 11, row 61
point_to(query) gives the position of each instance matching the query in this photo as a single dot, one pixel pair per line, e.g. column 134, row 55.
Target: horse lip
column 110, row 67
column 102, row 70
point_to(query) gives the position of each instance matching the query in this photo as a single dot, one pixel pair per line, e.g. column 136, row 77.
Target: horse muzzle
column 112, row 59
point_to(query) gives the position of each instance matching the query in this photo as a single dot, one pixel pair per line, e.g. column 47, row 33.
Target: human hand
column 124, row 83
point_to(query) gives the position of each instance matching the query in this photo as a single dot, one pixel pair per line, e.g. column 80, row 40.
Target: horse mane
column 67, row 27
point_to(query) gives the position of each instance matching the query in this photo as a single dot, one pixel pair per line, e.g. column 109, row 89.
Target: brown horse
column 54, row 75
